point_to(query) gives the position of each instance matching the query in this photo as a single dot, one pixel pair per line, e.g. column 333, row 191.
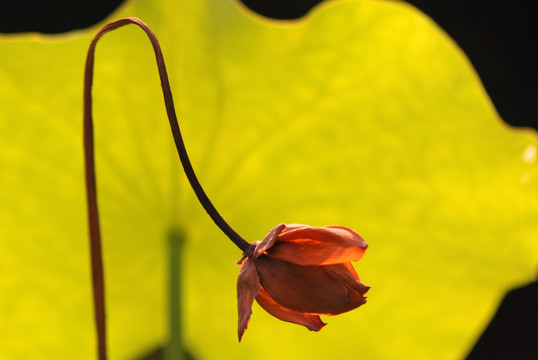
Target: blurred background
column 465, row 208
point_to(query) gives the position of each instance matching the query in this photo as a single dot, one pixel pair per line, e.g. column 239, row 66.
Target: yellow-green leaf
column 364, row 114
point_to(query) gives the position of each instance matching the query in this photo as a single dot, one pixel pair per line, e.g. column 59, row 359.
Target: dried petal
column 268, row 240
column 352, row 270
column 248, row 286
column 345, row 273
column 309, row 289
column 311, row 321
column 309, row 245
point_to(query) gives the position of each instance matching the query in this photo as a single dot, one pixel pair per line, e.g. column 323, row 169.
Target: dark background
column 498, row 36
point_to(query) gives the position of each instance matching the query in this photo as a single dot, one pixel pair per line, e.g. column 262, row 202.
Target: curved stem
column 91, row 191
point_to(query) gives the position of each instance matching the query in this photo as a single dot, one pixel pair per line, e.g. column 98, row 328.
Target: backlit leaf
column 364, row 114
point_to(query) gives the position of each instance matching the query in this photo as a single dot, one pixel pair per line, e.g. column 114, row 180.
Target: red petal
column 309, row 245
column 268, row 240
column 308, row 289
column 311, row 321
column 248, row 286
column 345, row 273
column 352, row 270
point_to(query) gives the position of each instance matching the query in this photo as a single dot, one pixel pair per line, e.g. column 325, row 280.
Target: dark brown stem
column 91, row 192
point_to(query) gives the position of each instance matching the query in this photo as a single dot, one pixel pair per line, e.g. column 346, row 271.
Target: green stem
column 176, row 241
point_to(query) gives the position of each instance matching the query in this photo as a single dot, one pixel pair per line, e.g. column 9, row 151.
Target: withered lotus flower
column 299, row 272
